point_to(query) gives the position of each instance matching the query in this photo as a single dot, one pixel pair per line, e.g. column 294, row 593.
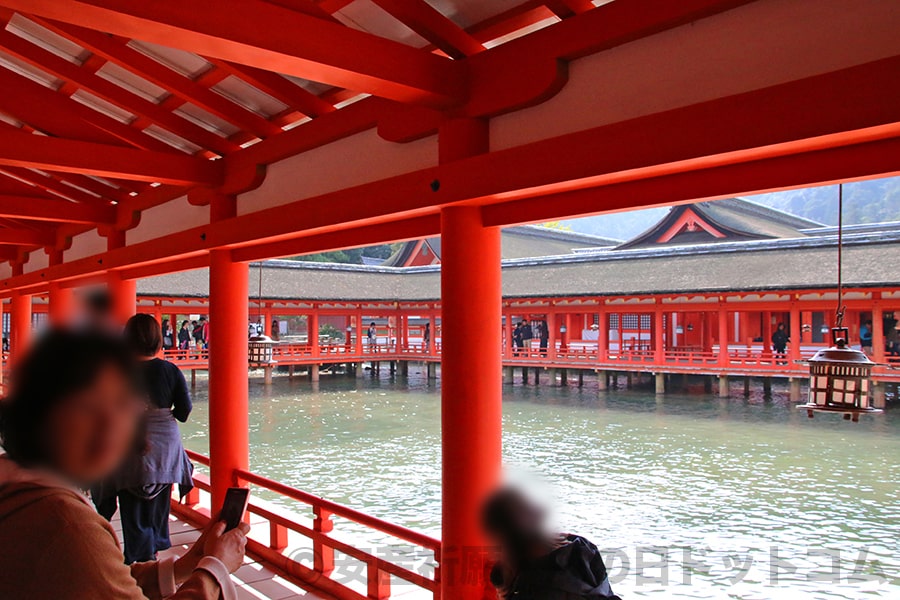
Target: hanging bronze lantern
column 839, row 379
column 259, row 350
column 839, row 376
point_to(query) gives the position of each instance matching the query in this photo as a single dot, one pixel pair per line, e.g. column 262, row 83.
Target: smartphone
column 234, row 506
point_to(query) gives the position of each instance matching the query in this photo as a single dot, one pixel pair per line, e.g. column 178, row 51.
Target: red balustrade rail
column 378, row 569
column 751, row 361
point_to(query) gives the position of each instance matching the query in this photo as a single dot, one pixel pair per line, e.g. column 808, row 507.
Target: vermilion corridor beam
column 425, row 20
column 44, row 209
column 278, row 87
column 263, row 35
column 86, row 79
column 51, row 112
column 69, row 156
column 117, row 50
column 26, row 237
column 50, row 184
column 769, row 124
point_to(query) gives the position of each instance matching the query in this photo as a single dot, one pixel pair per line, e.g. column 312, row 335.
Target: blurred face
column 90, row 433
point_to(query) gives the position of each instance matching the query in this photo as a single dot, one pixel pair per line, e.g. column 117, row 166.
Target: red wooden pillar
column 471, row 390
column 659, row 348
column 553, row 335
column 20, row 326
column 767, row 333
column 795, row 333
column 564, row 333
column 471, row 412
column 62, row 305
column 807, row 319
column 61, row 300
column 603, row 336
column 878, row 354
column 744, row 327
column 723, row 334
column 360, row 332
column 229, row 442
column 706, row 326
column 508, row 335
column 348, row 332
column 312, row 332
column 2, row 364
column 432, row 337
column 266, row 313
column 123, row 293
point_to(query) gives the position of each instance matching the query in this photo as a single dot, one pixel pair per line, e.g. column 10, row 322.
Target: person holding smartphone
column 70, row 419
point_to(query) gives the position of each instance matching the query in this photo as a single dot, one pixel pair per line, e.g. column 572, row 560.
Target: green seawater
column 689, row 495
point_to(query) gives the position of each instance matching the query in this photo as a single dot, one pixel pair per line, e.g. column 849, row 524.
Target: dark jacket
column 574, row 571
column 780, row 339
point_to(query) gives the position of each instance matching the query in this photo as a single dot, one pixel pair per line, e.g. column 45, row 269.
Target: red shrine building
column 170, row 150
column 716, row 280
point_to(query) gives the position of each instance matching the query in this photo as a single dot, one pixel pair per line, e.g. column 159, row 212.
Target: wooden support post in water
column 660, row 383
column 629, row 381
column 746, row 386
column 552, row 374
column 290, row 372
column 767, row 386
column 193, row 378
column 507, row 374
column 580, row 377
column 404, row 368
column 602, row 381
column 795, row 389
column 314, row 373
column 563, row 377
column 723, row 386
column 878, row 394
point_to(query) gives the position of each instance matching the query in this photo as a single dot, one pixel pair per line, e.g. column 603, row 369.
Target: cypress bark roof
column 728, row 220
column 518, row 242
column 870, row 259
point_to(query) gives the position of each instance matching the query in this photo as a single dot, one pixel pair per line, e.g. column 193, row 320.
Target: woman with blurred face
column 70, row 421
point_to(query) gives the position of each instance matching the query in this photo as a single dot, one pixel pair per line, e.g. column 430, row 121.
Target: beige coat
column 54, row 545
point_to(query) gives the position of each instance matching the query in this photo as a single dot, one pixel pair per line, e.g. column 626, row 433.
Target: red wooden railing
column 273, row 551
column 579, row 354
column 633, row 354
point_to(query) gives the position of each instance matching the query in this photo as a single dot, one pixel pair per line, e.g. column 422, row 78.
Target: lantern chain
column 840, row 290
